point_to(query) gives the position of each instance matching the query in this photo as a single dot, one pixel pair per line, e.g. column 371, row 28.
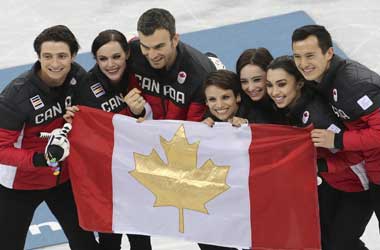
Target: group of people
column 156, row 76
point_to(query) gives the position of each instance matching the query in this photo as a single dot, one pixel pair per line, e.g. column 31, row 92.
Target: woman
column 344, row 210
column 104, row 88
column 222, row 92
column 251, row 68
column 223, row 98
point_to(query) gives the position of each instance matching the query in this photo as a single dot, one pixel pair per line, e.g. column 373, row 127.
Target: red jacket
column 353, row 92
column 28, row 107
column 176, row 93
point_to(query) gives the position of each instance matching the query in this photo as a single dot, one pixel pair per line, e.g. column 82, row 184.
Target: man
column 353, row 91
column 34, row 102
column 170, row 72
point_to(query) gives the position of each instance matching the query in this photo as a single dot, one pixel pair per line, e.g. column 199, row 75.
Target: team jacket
column 28, row 107
column 310, row 108
column 175, row 93
column 97, row 91
column 353, row 92
column 262, row 111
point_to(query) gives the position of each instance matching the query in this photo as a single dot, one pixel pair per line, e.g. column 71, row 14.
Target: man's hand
column 58, row 146
column 135, row 101
column 323, row 138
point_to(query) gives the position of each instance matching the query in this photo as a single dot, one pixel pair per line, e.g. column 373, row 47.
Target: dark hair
column 260, row 57
column 223, row 79
column 57, row 33
column 154, row 19
column 319, row 31
column 107, row 36
column 286, row 63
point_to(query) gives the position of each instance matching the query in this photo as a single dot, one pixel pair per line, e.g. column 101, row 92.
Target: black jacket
column 262, row 111
column 353, row 92
column 311, row 108
column 98, row 92
column 352, row 89
column 175, row 93
column 27, row 107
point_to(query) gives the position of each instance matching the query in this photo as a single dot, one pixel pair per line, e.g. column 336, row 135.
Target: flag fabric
column 240, row 187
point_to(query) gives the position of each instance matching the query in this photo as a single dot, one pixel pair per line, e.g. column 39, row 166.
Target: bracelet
column 52, row 163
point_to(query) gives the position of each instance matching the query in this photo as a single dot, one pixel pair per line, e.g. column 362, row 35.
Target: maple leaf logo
column 179, row 183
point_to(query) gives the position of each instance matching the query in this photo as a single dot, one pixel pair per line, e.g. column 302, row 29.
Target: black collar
column 326, row 84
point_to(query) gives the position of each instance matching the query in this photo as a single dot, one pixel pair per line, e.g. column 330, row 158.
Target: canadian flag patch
column 181, row 78
column 305, row 117
column 335, row 95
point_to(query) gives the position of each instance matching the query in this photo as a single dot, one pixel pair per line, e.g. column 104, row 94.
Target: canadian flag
column 241, row 187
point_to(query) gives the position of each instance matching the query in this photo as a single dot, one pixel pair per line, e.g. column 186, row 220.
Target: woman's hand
column 70, row 113
column 237, row 121
column 209, row 121
column 135, row 101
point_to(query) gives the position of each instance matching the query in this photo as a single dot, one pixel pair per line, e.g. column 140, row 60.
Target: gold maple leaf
column 179, row 183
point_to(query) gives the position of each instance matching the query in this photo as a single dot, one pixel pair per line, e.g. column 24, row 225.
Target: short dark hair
column 260, row 57
column 286, row 63
column 107, row 36
column 319, row 31
column 223, row 79
column 57, row 33
column 154, row 19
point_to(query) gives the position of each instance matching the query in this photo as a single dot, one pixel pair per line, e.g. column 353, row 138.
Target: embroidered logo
column 335, row 95
column 319, row 180
column 340, row 113
column 181, row 78
column 73, row 81
column 305, row 117
column 37, row 102
column 217, row 62
column 365, row 102
column 98, row 89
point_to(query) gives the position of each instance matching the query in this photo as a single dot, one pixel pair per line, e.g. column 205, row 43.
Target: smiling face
column 159, row 49
column 310, row 60
column 252, row 79
column 282, row 87
column 111, row 59
column 55, row 59
column 222, row 103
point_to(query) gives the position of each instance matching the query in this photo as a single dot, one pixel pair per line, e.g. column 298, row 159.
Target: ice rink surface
column 354, row 26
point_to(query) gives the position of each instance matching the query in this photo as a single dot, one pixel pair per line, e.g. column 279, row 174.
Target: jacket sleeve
column 196, row 112
column 10, row 154
column 343, row 159
column 364, row 139
column 11, row 127
column 197, row 106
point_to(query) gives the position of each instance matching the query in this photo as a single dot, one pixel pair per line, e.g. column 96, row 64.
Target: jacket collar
column 329, row 78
